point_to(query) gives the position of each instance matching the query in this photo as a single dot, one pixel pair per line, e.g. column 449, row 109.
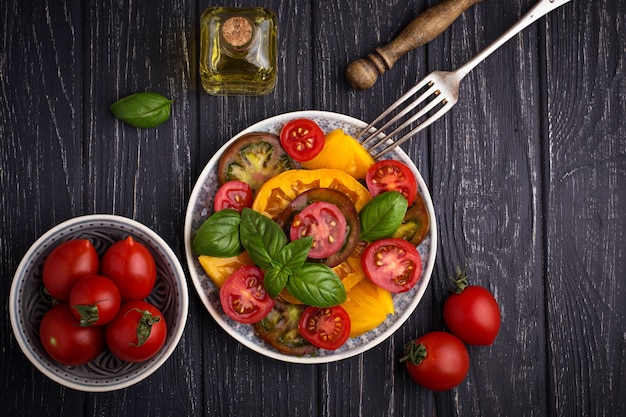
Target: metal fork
column 438, row 92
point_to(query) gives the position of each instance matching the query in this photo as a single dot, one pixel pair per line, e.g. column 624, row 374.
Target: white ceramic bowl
column 200, row 207
column 27, row 306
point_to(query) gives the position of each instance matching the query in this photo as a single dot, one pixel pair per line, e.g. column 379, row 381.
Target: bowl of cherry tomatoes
column 98, row 303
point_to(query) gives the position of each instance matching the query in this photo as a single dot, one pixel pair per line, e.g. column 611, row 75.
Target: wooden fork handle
column 363, row 73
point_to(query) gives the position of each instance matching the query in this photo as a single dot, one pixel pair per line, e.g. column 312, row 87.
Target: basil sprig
column 226, row 233
column 143, row 110
column 382, row 215
column 219, row 235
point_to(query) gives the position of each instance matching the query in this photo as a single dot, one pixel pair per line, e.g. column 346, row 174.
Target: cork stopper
column 237, row 31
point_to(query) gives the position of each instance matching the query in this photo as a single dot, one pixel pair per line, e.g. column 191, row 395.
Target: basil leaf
column 219, row 235
column 143, row 110
column 295, row 253
column 382, row 216
column 317, row 285
column 275, row 280
column 262, row 237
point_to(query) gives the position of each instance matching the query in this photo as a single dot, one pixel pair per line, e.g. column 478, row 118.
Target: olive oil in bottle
column 238, row 51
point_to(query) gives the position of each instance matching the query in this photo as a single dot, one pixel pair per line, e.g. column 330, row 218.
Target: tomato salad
column 297, row 251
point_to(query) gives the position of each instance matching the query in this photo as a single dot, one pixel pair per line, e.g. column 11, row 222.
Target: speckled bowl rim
column 243, row 333
column 57, row 373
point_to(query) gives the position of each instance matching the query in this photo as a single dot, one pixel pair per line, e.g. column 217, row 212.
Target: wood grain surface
column 526, row 174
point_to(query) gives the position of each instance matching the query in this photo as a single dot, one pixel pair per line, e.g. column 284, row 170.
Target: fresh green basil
column 261, row 237
column 284, row 263
column 382, row 216
column 143, row 110
column 317, row 285
column 219, row 235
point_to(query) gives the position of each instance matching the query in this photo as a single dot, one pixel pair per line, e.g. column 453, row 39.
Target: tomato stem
column 460, row 283
column 414, row 352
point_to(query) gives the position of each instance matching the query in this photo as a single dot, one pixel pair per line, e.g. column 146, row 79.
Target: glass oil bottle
column 238, row 50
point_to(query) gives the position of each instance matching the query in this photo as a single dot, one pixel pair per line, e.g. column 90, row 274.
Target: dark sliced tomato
column 303, row 139
column 243, row 296
column 342, row 202
column 279, row 329
column 325, row 223
column 233, row 195
column 391, row 175
column 327, row 328
column 254, row 158
column 393, row 264
column 416, row 222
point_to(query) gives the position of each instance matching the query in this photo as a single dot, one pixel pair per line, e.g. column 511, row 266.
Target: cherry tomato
column 302, row 139
column 325, row 223
column 393, row 264
column 233, row 195
column 438, row 361
column 67, row 263
column 327, row 327
column 472, row 313
column 131, row 266
column 137, row 333
column 243, row 296
column 95, row 300
column 392, row 175
column 66, row 341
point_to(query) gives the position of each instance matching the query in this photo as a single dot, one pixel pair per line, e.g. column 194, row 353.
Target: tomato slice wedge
column 302, row 139
column 391, row 175
column 243, row 296
column 393, row 264
column 234, row 195
column 327, row 328
column 325, row 223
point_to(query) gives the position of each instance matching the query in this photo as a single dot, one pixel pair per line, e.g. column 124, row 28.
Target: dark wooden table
column 526, row 174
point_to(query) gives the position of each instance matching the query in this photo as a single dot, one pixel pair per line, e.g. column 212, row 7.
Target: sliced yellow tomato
column 219, row 269
column 342, row 151
column 368, row 306
column 274, row 195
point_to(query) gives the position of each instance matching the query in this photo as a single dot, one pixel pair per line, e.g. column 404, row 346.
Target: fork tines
column 427, row 105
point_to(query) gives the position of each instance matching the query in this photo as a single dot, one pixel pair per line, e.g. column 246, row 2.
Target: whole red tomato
column 472, row 313
column 137, row 333
column 131, row 266
column 438, row 361
column 66, row 341
column 67, row 263
column 95, row 300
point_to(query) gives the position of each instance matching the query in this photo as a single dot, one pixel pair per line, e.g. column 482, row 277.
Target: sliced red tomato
column 233, row 195
column 243, row 296
column 393, row 264
column 66, row 341
column 95, row 300
column 325, row 223
column 66, row 264
column 303, row 139
column 392, row 175
column 327, row 328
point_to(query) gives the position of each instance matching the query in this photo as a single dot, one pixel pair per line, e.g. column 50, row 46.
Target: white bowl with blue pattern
column 200, row 207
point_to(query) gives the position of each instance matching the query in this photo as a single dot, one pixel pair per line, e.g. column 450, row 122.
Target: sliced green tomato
column 254, row 158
